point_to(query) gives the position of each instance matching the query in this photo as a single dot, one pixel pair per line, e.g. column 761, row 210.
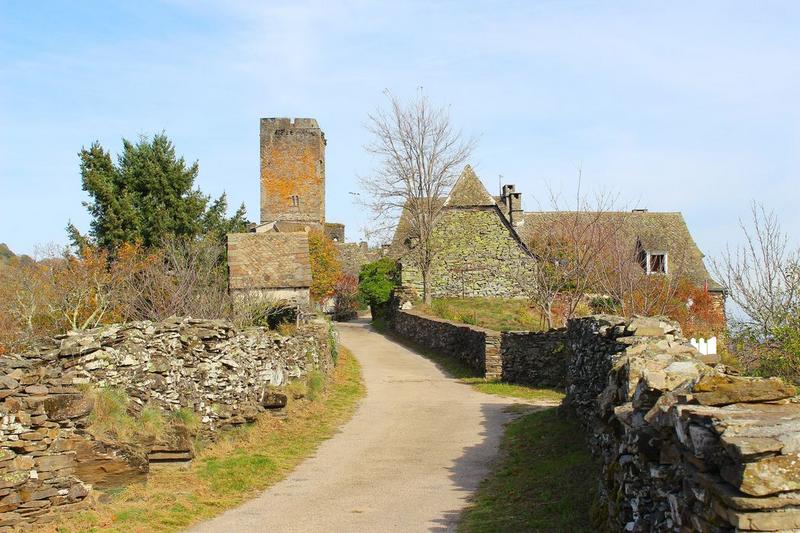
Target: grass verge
column 499, row 314
column 232, row 470
column 545, row 480
column 466, row 374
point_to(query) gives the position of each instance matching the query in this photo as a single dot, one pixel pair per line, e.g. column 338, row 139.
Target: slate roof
column 652, row 231
column 468, row 192
column 268, row 260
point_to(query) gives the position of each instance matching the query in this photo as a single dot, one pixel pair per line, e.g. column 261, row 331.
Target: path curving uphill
column 416, row 449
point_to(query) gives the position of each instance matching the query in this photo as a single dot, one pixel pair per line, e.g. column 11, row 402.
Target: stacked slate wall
column 479, row 348
column 532, row 358
column 49, row 459
column 537, row 359
column 684, row 445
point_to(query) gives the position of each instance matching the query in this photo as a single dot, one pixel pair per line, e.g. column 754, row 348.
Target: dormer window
column 656, row 263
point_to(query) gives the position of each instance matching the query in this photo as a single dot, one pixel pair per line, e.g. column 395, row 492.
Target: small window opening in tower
column 295, row 201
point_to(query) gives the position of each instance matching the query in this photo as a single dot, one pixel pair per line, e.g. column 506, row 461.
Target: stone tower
column 292, row 171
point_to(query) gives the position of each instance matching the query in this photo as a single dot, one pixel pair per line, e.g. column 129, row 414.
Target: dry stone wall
column 532, row 358
column 209, row 366
column 537, row 359
column 684, row 445
column 479, row 348
column 49, row 459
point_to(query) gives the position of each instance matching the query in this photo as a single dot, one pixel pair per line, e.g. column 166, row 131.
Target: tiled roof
column 268, row 260
column 652, row 231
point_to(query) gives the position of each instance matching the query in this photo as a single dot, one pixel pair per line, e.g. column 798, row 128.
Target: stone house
column 478, row 252
column 483, row 242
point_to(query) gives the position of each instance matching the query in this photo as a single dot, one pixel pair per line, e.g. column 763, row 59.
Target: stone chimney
column 512, row 200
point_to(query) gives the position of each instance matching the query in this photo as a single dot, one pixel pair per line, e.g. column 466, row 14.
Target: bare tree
column 186, row 278
column 762, row 276
column 621, row 276
column 419, row 156
column 568, row 245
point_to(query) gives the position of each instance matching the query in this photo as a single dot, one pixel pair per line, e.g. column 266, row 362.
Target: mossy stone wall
column 476, row 256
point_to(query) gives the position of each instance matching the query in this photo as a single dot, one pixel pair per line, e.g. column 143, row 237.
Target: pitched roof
column 404, row 226
column 268, row 260
column 652, row 231
column 468, row 191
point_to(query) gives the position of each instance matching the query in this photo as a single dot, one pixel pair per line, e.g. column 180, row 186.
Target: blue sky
column 676, row 106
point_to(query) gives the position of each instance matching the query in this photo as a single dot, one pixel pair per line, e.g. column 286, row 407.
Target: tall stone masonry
column 292, row 171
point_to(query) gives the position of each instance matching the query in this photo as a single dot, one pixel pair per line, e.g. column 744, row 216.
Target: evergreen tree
column 148, row 195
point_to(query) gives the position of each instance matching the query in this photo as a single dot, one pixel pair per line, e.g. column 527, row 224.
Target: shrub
column 696, row 311
column 326, row 269
column 256, row 310
column 346, row 294
column 376, row 281
column 184, row 277
column 604, row 304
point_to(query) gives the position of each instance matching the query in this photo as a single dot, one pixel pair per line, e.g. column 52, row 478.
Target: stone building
column 478, row 251
column 481, row 241
column 272, row 260
column 270, row 264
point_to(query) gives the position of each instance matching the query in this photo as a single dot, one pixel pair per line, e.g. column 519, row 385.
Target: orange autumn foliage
column 326, row 269
column 63, row 291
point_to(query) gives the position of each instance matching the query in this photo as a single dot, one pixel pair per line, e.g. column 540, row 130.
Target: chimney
column 515, row 208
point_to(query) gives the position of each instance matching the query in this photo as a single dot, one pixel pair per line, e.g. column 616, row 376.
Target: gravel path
column 415, row 450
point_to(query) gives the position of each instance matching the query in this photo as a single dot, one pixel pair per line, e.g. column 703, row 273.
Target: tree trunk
column 427, row 298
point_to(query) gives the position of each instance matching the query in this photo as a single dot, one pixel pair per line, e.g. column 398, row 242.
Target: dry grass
column 232, row 470
column 499, row 314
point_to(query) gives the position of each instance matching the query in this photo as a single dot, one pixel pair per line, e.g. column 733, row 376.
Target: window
column 295, row 201
column 656, row 263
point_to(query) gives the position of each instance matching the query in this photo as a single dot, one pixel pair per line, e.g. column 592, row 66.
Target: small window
column 656, row 263
column 295, row 201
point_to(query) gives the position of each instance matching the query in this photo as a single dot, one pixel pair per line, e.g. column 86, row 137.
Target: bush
column 326, row 269
column 346, row 302
column 777, row 354
column 254, row 310
column 184, row 277
column 376, row 281
column 604, row 304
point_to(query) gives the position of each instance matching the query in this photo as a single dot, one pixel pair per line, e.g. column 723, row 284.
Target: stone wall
column 41, row 411
column 684, row 445
column 479, row 348
column 48, row 457
column 355, row 255
column 537, row 359
column 477, row 255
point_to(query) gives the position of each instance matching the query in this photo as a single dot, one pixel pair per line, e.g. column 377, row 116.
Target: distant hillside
column 7, row 255
column 5, row 252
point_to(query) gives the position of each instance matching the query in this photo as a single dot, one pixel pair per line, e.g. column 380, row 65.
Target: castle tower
column 292, row 171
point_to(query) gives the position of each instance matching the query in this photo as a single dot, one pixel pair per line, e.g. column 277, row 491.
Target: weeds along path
column 410, row 458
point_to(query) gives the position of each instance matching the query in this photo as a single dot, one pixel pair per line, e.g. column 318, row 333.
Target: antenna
column 500, row 183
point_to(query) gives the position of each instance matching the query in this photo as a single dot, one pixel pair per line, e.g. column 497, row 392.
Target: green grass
column 235, row 468
column 499, row 314
column 545, row 480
